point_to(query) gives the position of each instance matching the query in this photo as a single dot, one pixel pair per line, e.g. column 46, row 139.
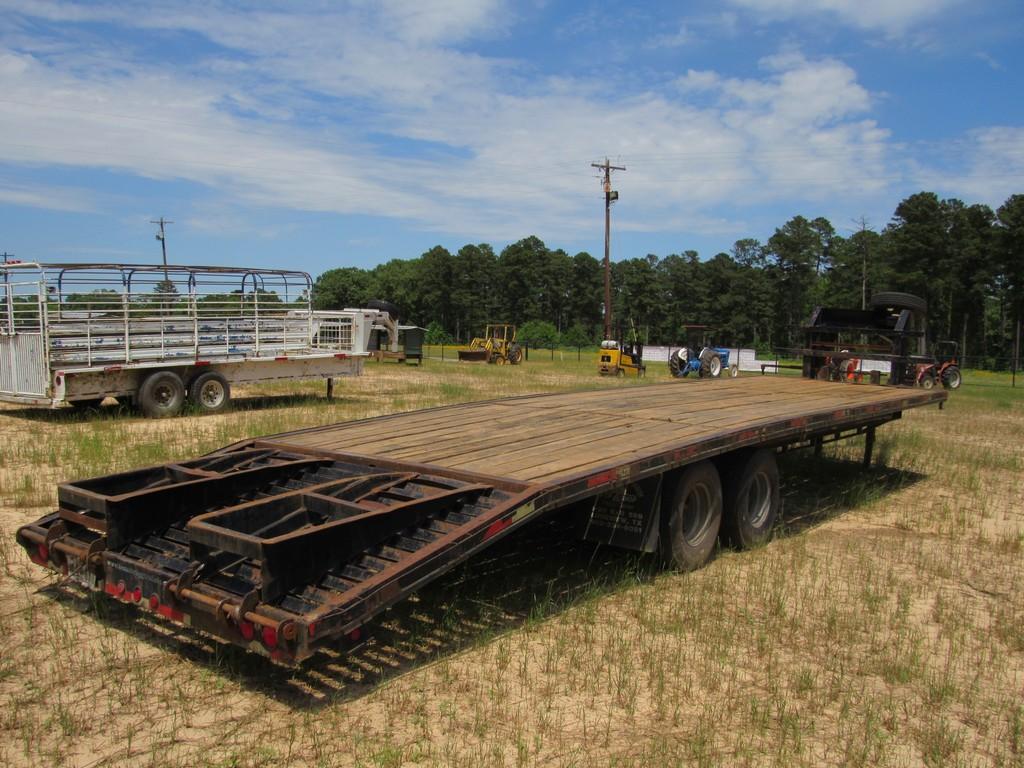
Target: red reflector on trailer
column 168, row 612
column 137, row 594
column 311, row 629
column 270, row 637
column 355, row 634
column 154, row 602
column 112, row 369
column 247, row 629
column 44, row 552
column 341, row 356
column 282, row 358
column 202, row 362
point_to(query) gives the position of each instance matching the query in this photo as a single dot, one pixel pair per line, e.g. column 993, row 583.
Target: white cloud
column 52, row 198
column 893, row 17
column 986, row 166
column 291, row 111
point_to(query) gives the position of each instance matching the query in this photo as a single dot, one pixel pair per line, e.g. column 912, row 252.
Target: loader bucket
column 474, row 355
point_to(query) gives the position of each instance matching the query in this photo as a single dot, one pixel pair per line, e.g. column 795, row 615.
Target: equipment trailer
column 283, row 543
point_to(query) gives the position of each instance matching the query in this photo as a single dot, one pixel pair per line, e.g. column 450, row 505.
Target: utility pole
column 863, row 262
column 162, row 237
column 6, row 256
column 610, row 196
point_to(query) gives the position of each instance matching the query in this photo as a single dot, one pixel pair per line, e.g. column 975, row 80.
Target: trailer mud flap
column 625, row 517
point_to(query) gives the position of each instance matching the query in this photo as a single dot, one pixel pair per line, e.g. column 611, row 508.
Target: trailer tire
column 752, row 499
column 161, row 395
column 899, row 301
column 210, row 392
column 691, row 515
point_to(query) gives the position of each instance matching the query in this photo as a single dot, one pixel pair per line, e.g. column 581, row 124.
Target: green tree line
column 966, row 260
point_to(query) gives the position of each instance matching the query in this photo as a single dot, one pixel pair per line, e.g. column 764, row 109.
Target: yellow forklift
column 622, row 358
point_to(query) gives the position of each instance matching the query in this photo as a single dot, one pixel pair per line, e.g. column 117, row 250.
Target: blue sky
column 317, row 135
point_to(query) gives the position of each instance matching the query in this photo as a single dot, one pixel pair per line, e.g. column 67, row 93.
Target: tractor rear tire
column 952, row 378
column 676, row 365
column 161, row 395
column 752, row 499
column 691, row 516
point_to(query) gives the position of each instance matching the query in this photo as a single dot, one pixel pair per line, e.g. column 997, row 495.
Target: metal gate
column 23, row 364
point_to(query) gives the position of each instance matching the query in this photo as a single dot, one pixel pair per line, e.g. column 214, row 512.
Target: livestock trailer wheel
column 952, row 378
column 162, row 394
column 752, row 499
column 210, row 392
column 691, row 516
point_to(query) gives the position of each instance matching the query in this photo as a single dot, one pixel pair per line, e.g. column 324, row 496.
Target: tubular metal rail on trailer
column 286, row 542
column 79, row 332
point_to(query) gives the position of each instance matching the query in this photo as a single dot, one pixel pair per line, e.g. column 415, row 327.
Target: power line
column 610, row 196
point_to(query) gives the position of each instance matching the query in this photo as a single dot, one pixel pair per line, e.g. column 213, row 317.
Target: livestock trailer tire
column 752, row 499
column 210, row 392
column 899, row 301
column 161, row 395
column 952, row 378
column 691, row 516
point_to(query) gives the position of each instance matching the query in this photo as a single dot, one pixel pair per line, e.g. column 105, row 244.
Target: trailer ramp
column 271, row 548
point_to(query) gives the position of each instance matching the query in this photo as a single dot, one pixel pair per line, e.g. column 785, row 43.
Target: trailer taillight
column 247, row 629
column 270, row 637
column 137, row 594
column 154, row 602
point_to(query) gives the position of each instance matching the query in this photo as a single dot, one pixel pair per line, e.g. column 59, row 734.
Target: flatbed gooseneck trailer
column 287, row 542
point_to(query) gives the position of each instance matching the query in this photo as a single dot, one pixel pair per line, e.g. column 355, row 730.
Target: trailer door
column 23, row 366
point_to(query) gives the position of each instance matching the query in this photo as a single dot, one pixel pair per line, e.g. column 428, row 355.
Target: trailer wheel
column 210, row 392
column 752, row 499
column 162, row 394
column 691, row 516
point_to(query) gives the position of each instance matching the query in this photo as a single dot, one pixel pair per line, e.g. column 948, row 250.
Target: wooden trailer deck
column 547, row 439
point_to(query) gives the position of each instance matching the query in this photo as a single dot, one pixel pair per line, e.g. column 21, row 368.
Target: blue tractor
column 699, row 358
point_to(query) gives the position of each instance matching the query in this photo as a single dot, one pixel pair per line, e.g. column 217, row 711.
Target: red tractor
column 945, row 369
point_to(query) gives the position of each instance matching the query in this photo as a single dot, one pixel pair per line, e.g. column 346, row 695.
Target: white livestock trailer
column 78, row 333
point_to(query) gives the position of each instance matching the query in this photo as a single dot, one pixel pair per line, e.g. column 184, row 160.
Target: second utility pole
column 609, row 197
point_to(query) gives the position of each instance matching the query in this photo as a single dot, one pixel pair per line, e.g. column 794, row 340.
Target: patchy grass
column 883, row 626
